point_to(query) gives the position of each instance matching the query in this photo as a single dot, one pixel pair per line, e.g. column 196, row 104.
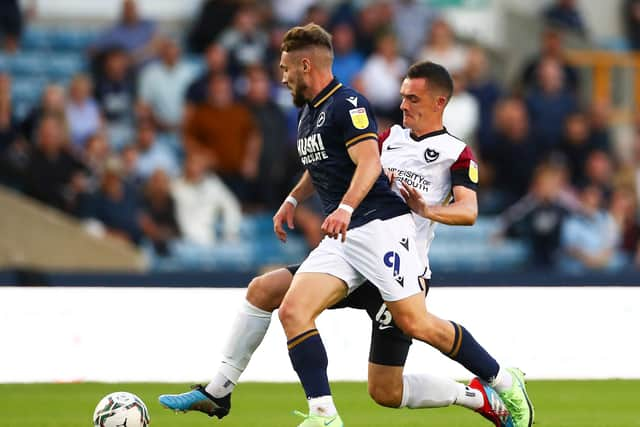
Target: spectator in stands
column 82, row 111
column 624, row 210
column 201, row 199
column 373, row 19
column 347, row 61
column 482, row 85
column 94, row 157
column 14, row 151
column 631, row 17
column 232, row 152
column 273, row 182
column 589, row 237
column 576, row 145
column 216, row 62
column 214, row 16
column 137, row 36
column 513, row 155
column 408, row 16
column 163, row 85
column 116, row 205
column 442, row 48
column 380, row 79
column 599, row 171
column 315, row 13
column 245, row 41
column 52, row 103
column 599, row 119
column 152, row 155
column 54, row 176
column 10, row 25
column 158, row 219
column 549, row 104
column 539, row 215
column 551, row 47
column 462, row 115
column 565, row 14
column 115, row 91
column 129, row 156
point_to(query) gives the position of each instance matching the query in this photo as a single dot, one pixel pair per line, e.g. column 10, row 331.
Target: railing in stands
column 602, row 64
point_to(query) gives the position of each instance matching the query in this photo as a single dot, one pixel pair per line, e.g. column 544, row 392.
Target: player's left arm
column 463, row 211
column 366, row 157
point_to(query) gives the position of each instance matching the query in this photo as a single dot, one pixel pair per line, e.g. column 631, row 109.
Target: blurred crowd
column 153, row 147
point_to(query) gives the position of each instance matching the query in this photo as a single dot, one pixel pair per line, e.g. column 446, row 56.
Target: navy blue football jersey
column 336, row 119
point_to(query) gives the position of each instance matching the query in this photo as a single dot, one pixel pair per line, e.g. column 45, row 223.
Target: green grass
column 558, row 404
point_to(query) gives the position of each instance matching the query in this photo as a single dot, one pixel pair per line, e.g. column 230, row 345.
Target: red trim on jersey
column 381, row 137
column 464, row 159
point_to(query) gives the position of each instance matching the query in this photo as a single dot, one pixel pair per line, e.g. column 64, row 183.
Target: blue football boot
column 197, row 400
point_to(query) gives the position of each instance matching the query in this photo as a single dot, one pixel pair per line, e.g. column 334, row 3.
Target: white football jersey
column 432, row 164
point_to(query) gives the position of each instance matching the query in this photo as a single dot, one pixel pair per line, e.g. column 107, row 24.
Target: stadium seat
column 64, row 66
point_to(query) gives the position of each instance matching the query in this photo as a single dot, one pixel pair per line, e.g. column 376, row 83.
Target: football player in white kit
column 428, row 165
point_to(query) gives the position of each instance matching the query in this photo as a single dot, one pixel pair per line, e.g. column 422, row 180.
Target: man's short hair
column 311, row 35
column 436, row 74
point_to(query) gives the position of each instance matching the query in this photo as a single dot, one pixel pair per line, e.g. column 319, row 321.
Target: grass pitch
column 558, row 404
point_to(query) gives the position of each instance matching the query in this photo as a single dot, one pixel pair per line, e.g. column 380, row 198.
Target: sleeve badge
column 473, row 172
column 359, row 118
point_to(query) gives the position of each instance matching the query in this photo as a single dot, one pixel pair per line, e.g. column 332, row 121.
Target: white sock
column 503, row 381
column 323, row 406
column 247, row 332
column 429, row 391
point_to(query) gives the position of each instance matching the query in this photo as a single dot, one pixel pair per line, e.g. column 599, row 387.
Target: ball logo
column 431, row 155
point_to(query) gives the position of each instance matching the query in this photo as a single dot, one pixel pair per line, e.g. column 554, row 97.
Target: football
column 121, row 409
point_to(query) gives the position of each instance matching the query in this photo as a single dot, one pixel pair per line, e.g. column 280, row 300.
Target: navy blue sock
column 309, row 360
column 472, row 355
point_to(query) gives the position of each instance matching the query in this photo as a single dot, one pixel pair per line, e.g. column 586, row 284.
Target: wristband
column 345, row 207
column 292, row 200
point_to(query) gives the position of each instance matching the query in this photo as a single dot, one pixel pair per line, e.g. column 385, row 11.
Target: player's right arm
column 301, row 192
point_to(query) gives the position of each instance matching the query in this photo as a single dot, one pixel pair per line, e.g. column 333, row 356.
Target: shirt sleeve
column 356, row 120
column 464, row 171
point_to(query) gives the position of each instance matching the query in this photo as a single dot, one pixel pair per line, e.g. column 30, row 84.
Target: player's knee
column 291, row 315
column 261, row 295
column 384, row 394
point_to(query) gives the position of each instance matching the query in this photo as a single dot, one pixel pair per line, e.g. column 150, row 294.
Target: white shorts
column 383, row 252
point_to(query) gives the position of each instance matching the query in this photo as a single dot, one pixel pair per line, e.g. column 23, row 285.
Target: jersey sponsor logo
column 392, row 260
column 431, row 155
column 311, row 149
column 353, row 100
column 473, row 171
column 321, row 119
column 359, row 118
column 415, row 180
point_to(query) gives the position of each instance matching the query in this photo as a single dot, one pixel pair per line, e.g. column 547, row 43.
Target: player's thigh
column 268, row 290
column 385, row 384
column 410, row 314
column 309, row 295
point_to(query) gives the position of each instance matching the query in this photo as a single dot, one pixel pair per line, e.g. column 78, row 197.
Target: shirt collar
column 428, row 135
column 325, row 93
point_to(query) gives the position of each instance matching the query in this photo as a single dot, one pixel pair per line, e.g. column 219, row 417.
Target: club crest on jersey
column 321, row 119
column 473, row 172
column 431, row 155
column 359, row 118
